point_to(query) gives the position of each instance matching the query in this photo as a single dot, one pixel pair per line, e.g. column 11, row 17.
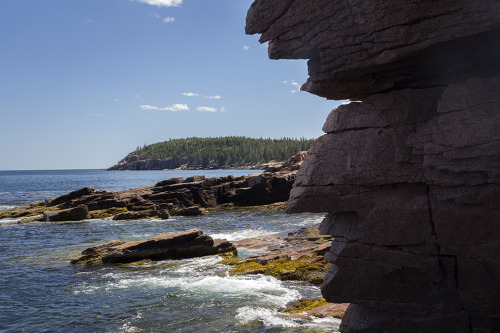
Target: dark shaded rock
column 359, row 48
column 192, row 211
column 410, row 175
column 170, row 181
column 195, row 178
column 71, row 214
column 70, row 196
column 187, row 244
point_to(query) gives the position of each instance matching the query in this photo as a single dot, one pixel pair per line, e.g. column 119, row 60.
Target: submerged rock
column 187, row 244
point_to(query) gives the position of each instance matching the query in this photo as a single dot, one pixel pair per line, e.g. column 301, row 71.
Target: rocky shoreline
column 175, row 196
column 287, row 256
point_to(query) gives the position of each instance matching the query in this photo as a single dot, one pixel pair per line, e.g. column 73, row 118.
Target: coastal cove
column 41, row 291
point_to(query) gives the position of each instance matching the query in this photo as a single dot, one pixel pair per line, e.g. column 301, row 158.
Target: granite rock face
column 409, row 174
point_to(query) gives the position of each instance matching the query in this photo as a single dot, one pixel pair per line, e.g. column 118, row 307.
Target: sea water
column 41, row 292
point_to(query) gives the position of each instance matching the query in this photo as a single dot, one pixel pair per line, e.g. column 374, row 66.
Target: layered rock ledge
column 410, row 174
column 187, row 244
column 174, row 196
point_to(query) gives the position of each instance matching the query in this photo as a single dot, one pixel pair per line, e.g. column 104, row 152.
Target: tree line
column 233, row 151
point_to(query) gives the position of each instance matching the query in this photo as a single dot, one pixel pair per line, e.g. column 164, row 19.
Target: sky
column 85, row 82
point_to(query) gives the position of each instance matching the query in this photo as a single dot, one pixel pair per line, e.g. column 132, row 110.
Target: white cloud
column 155, row 15
column 222, row 109
column 294, row 84
column 246, row 48
column 206, row 109
column 161, row 3
column 175, row 107
column 90, row 21
column 191, row 94
column 168, row 19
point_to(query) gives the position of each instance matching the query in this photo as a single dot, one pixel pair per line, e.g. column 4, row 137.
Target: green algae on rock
column 303, row 269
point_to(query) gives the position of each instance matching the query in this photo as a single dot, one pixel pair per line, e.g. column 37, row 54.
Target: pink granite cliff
column 409, row 172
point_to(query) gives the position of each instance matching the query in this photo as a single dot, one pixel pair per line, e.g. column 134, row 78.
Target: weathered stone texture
column 410, row 174
column 358, row 47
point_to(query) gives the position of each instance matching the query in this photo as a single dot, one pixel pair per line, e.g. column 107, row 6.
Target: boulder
column 71, row 214
column 70, row 196
column 192, row 211
column 187, row 244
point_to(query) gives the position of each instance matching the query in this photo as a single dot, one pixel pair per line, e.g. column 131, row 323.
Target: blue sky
column 84, row 82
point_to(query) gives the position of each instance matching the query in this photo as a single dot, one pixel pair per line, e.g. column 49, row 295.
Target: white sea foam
column 273, row 318
column 5, row 221
column 7, row 207
column 241, row 234
column 201, row 277
column 268, row 317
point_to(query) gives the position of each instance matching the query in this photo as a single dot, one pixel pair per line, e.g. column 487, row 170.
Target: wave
column 273, row 318
column 241, row 234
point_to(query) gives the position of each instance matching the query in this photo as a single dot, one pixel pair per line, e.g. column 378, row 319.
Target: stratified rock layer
column 187, row 244
column 177, row 196
column 410, row 175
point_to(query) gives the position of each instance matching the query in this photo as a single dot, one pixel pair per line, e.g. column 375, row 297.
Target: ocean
column 41, row 292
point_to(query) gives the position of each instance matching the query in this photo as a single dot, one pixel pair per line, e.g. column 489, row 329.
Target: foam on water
column 273, row 318
column 241, row 234
column 7, row 207
column 201, row 277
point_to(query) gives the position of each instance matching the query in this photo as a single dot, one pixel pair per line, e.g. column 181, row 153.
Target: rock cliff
column 409, row 174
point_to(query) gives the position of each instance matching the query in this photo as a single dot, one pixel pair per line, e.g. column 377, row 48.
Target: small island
column 233, row 152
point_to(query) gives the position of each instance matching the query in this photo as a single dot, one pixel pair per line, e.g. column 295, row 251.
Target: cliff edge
column 409, row 174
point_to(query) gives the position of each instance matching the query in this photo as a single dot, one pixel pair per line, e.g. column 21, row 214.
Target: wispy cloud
column 246, row 48
column 90, row 21
column 206, row 109
column 161, row 3
column 191, row 94
column 175, row 107
column 168, row 19
column 294, row 84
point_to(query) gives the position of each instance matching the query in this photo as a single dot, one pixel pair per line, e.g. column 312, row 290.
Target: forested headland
column 212, row 153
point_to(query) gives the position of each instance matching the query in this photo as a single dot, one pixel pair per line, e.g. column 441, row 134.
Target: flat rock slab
column 186, row 244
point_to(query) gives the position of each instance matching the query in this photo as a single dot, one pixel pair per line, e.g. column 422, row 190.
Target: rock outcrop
column 188, row 244
column 410, row 174
column 174, row 196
